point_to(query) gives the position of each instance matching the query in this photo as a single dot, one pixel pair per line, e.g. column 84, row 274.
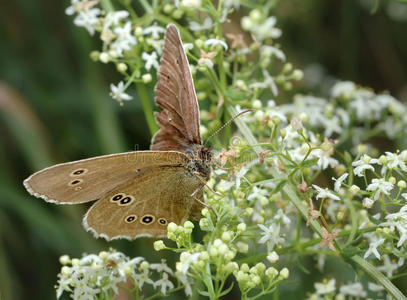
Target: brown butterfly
column 140, row 193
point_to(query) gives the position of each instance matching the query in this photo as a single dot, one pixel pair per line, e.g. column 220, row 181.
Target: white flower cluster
column 106, row 273
column 334, row 116
column 327, row 289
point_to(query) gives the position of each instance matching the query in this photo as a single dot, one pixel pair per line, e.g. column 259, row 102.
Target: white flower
column 269, row 81
column 117, row 92
column 338, row 182
column 151, row 60
column 191, row 4
column 280, row 216
column 399, row 221
column 271, row 235
column 266, row 29
column 188, row 46
column 394, row 161
column 87, row 19
column 375, row 287
column 273, row 50
column 373, row 248
column 114, row 18
column 165, row 283
column 125, row 40
column 353, row 289
column 257, row 193
column 325, row 193
column 388, row 267
column 184, row 280
column 361, row 165
column 344, row 89
column 207, row 24
column 380, row 186
column 216, row 42
column 161, row 267
column 367, row 202
column 142, row 278
column 325, row 287
column 154, row 31
column 186, row 259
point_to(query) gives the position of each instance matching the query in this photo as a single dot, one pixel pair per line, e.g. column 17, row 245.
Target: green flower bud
column 159, row 245
column 298, row 74
column 401, row 184
column 189, row 225
column 284, row 273
column 244, row 267
column 147, row 78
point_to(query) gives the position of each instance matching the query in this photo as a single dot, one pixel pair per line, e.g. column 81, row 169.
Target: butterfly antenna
column 227, row 123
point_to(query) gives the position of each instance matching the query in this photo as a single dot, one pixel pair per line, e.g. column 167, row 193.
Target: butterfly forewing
column 143, row 206
column 175, row 96
column 90, row 179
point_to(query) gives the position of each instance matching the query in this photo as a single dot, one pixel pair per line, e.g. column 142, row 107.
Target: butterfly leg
column 204, row 184
column 199, row 200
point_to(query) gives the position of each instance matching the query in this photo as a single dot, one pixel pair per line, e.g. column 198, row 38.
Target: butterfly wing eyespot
column 130, row 219
column 127, row 200
column 75, row 182
column 117, row 197
column 147, row 219
column 79, row 172
column 162, row 221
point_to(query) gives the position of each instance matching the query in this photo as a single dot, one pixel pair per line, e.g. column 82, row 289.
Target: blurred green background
column 55, row 107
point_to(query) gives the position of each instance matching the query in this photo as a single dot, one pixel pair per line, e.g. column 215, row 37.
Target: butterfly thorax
column 200, row 160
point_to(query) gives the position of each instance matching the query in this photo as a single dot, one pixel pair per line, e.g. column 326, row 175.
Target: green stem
column 378, row 276
column 107, row 5
column 147, row 107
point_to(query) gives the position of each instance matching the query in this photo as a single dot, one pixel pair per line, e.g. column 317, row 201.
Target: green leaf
column 280, row 185
column 310, row 162
column 235, row 94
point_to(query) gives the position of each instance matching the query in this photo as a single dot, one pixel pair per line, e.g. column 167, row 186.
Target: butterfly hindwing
column 175, row 96
column 90, row 179
column 143, row 206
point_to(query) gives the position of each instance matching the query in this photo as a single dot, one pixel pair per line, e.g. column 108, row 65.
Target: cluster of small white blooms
column 327, row 289
column 262, row 26
column 259, row 275
column 93, row 275
column 335, row 116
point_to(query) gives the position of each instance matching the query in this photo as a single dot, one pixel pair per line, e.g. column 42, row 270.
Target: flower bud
column 147, row 78
column 65, row 270
column 287, row 68
column 188, row 225
column 392, row 180
column 271, row 272
column 244, row 267
column 104, row 57
column 256, row 104
column 273, row 257
column 203, row 223
column 401, row 184
column 159, row 245
column 284, row 273
column 298, row 74
column 354, row 189
column 367, row 202
column 144, row 265
column 226, row 236
column 241, row 227
column 231, row 267
column 64, row 260
column 75, row 262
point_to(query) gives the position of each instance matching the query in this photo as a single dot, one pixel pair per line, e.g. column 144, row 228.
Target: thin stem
column 147, row 107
